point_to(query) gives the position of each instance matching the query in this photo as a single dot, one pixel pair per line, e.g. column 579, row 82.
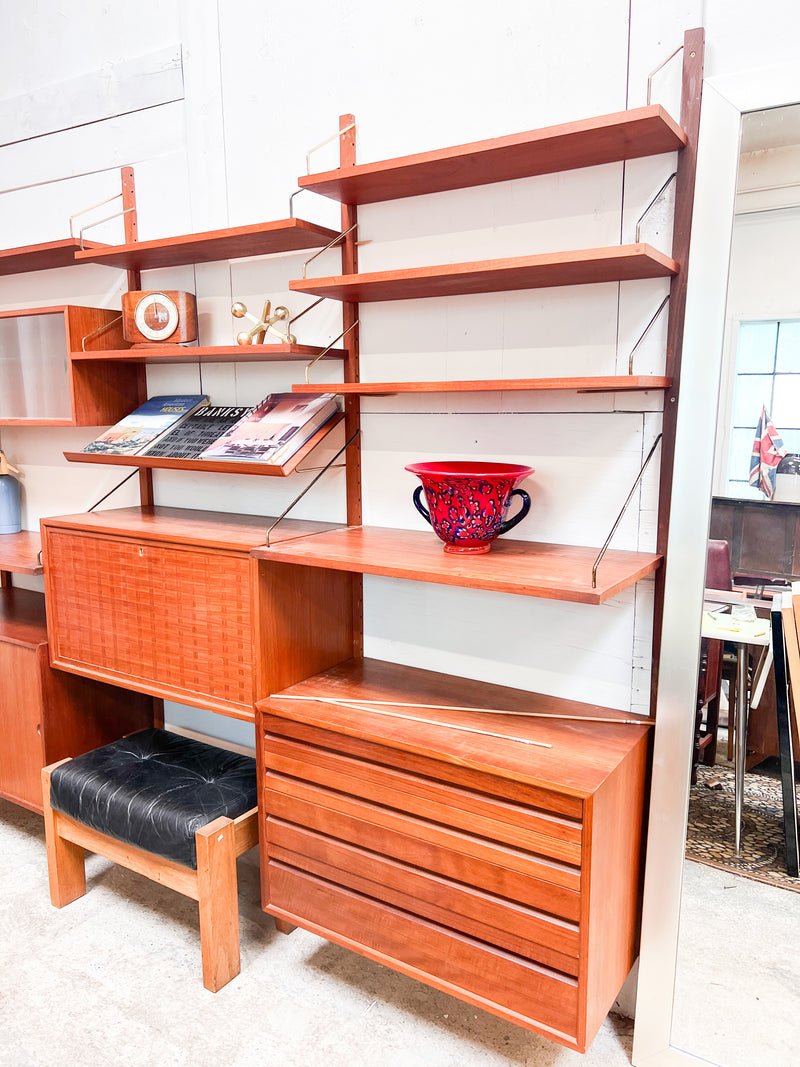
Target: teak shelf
column 644, row 131
column 238, row 242
column 45, row 256
column 19, row 553
column 211, row 466
column 580, row 267
column 602, row 384
column 553, row 572
column 178, row 354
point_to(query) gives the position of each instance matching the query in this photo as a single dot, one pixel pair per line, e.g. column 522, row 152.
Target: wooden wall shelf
column 581, row 267
column 45, row 256
column 644, row 131
column 598, row 384
column 268, row 470
column 238, row 242
column 213, row 354
column 553, row 572
column 19, row 552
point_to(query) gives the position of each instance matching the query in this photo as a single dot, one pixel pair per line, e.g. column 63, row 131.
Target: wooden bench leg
column 219, row 903
column 65, row 861
column 283, row 926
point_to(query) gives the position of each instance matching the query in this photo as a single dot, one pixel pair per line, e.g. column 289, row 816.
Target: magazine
column 192, row 436
column 274, row 430
column 145, row 425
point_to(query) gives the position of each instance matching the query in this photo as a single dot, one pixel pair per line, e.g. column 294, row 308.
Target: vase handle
column 509, row 524
column 419, row 505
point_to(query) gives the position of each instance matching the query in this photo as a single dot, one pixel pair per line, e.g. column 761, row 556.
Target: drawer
column 513, row 987
column 496, row 920
column 493, row 866
column 524, row 827
column 165, row 619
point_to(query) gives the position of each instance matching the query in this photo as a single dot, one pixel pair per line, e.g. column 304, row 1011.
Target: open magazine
column 275, row 429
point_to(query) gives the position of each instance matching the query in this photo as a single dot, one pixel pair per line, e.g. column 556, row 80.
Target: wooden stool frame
column 213, row 885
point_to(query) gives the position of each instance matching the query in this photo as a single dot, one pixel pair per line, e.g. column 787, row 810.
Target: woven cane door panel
column 170, row 621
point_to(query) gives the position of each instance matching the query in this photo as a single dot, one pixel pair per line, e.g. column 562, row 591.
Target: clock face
column 156, row 316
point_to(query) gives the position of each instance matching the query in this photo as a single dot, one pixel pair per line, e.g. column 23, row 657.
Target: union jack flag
column 768, row 450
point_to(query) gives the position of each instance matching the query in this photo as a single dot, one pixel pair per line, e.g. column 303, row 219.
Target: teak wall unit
column 400, row 819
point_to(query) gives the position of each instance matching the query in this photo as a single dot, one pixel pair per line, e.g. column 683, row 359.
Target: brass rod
column 643, row 215
column 660, row 66
column 661, row 307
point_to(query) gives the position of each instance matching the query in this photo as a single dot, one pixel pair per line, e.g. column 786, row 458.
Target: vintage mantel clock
column 159, row 317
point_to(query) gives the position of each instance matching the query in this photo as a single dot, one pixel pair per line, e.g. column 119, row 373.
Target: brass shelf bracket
column 321, row 470
column 98, row 331
column 333, row 137
column 645, row 332
column 607, row 541
column 660, row 66
column 325, row 351
column 655, row 199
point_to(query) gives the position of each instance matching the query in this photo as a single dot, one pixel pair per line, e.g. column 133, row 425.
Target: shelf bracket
column 325, row 351
column 607, row 541
column 328, row 466
column 339, row 237
column 334, row 136
column 645, row 331
column 658, row 195
column 98, row 331
column 660, row 66
column 97, row 222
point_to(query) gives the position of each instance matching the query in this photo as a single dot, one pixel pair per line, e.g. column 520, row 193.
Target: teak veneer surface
column 44, row 256
column 19, row 552
column 643, row 131
column 598, row 384
column 185, row 526
column 209, row 354
column 261, row 239
column 555, row 572
column 582, row 756
column 580, row 267
column 22, row 617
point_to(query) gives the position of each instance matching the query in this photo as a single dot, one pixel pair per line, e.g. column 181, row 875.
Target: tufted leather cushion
column 154, row 789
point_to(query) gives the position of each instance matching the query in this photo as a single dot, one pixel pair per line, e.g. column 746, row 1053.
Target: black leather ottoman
column 172, row 808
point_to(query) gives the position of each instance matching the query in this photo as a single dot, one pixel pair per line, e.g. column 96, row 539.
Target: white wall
column 262, row 83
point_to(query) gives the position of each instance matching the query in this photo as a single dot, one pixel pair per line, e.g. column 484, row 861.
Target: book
column 145, row 425
column 275, row 429
column 192, row 436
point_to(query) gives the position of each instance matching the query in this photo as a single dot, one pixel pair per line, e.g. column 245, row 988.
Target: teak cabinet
column 45, row 714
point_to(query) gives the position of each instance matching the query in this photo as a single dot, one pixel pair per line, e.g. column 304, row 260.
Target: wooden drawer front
column 171, row 621
column 514, row 927
column 565, row 804
column 492, row 978
column 486, row 816
column 509, row 872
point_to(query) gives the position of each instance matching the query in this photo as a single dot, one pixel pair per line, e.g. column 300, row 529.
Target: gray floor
column 114, row 979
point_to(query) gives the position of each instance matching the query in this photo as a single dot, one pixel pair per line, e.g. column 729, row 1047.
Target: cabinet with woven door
column 159, row 600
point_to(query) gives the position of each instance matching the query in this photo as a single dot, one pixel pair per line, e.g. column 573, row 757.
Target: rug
column 710, row 833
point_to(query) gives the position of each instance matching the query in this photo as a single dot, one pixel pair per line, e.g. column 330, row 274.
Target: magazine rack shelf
column 374, row 777
column 268, row 470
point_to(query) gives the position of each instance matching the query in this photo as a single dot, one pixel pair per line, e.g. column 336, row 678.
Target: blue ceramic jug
column 10, row 511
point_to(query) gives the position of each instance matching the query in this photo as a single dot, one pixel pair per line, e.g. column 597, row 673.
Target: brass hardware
column 127, row 478
column 328, row 466
column 99, row 330
column 330, row 244
column 263, row 326
column 658, row 68
column 330, row 346
column 661, row 307
column 300, row 314
column 607, row 541
column 97, row 222
column 339, row 133
column 655, row 198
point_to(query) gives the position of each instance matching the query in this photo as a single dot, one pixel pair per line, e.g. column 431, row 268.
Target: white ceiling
column 776, row 127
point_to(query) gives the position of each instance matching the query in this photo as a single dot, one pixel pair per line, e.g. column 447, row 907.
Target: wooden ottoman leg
column 219, row 903
column 65, row 860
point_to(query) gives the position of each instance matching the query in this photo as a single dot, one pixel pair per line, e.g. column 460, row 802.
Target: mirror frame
column 725, row 99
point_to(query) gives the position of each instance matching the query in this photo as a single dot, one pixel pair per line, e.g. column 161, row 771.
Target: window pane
column 755, row 349
column 752, row 392
column 740, row 451
column 791, row 438
column 786, row 402
column 788, row 346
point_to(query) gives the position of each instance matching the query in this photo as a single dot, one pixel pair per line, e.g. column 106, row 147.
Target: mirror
column 658, row 1038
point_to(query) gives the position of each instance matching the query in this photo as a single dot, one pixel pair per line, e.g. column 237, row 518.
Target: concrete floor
column 114, row 978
